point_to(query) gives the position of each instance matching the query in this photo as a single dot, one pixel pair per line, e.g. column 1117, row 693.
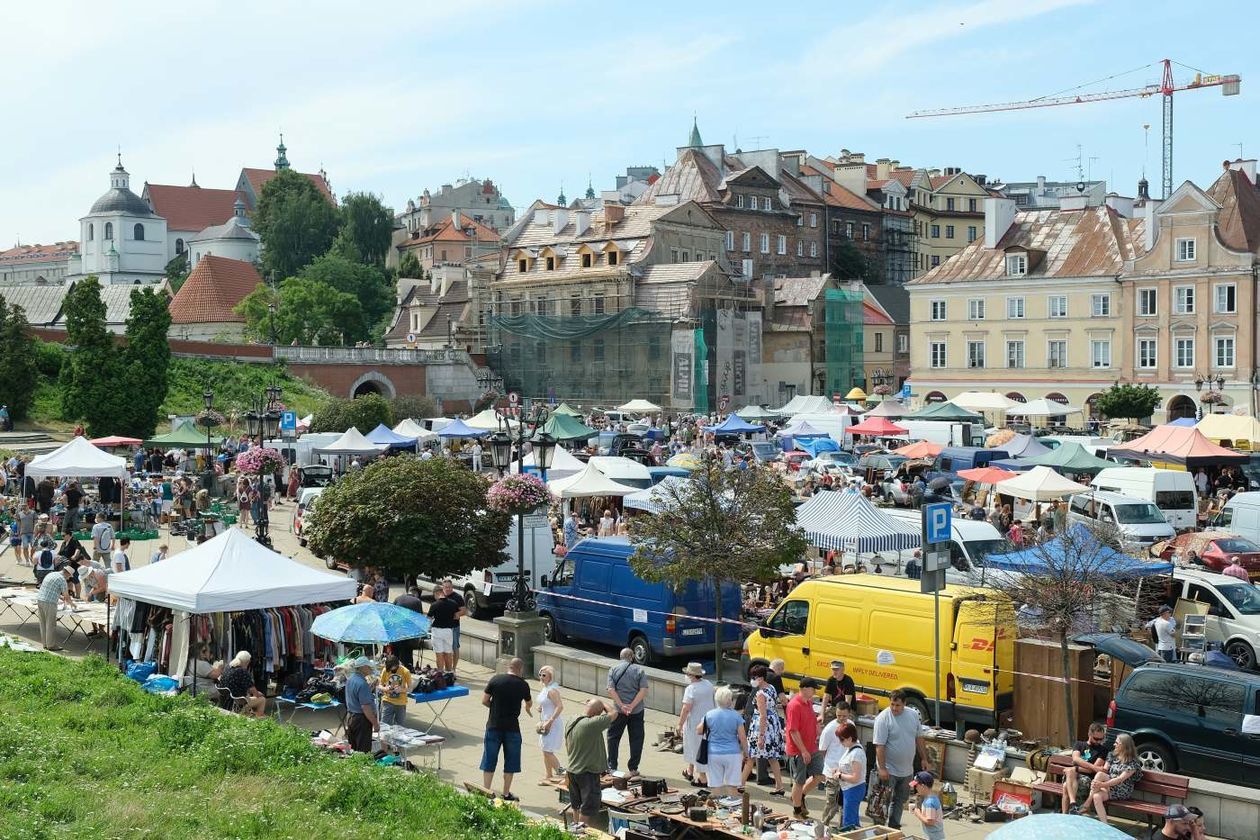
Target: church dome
column 121, row 200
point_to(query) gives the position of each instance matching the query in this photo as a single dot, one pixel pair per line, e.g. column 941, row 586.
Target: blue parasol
column 1057, row 827
column 370, row 624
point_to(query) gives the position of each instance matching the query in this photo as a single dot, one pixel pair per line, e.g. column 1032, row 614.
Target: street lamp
column 262, row 421
column 207, row 480
column 544, row 446
column 271, row 312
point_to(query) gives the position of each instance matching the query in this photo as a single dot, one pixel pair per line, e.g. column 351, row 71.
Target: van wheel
column 551, row 632
column 1242, row 653
column 1153, row 755
column 641, row 649
column 330, row 563
column 475, row 607
column 914, row 701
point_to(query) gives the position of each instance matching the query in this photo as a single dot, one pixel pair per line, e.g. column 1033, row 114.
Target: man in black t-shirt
column 839, row 687
column 405, row 649
column 503, row 696
column 449, row 593
column 1088, row 757
column 74, row 498
column 442, row 618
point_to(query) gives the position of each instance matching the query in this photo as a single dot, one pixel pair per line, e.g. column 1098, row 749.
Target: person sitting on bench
column 1088, row 757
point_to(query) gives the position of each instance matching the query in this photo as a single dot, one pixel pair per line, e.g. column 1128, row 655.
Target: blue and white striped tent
column 848, row 521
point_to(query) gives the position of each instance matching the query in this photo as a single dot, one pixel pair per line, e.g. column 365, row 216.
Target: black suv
column 1192, row 719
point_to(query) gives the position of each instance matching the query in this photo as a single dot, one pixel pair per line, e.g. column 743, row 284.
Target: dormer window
column 739, row 200
column 614, row 257
column 586, row 260
column 551, row 263
column 522, row 265
column 1016, row 265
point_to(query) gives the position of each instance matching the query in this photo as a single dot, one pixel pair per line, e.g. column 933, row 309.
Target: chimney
column 1247, row 167
column 455, row 220
column 894, row 164
column 581, row 222
column 1072, row 203
column 882, row 168
column 934, row 173
column 982, row 179
column 1144, row 190
column 1152, row 224
column 559, row 220
column 614, row 214
column 1123, row 205
column 857, row 157
column 999, row 215
column 1041, row 183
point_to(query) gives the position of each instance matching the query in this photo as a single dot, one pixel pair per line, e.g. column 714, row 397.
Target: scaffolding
column 842, row 329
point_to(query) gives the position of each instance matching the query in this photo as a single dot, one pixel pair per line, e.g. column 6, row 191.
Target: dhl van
column 881, row 627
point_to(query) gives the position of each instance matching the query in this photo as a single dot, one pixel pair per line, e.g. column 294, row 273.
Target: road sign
column 936, row 522
column 513, row 398
column 936, row 560
column 905, row 390
column 288, row 421
column 836, row 399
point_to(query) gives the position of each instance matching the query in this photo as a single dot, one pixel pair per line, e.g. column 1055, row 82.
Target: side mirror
column 543, row 581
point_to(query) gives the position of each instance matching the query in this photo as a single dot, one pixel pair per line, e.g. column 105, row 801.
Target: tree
column 414, row 406
column 367, row 229
column 19, row 361
column 722, row 526
column 367, row 284
column 409, row 267
column 90, row 375
column 1128, row 400
column 409, row 517
column 364, row 413
column 848, row 262
column 296, row 222
column 177, row 271
column 307, row 312
column 146, row 359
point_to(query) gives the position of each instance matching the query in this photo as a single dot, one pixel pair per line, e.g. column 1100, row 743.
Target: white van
column 970, row 542
column 1233, row 614
column 486, row 591
column 1172, row 491
column 831, row 423
column 1241, row 516
column 939, row 431
column 1140, row 523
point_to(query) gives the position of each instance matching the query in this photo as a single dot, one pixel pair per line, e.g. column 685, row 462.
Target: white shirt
column 1165, row 632
column 831, row 748
column 119, row 561
column 854, row 758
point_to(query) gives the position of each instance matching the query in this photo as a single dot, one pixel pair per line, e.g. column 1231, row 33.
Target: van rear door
column 981, row 668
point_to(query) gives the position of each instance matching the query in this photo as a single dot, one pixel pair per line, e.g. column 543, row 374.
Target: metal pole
column 936, row 650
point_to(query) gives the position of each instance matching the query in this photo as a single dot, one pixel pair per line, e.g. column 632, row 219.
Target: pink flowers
column 517, row 494
column 259, row 461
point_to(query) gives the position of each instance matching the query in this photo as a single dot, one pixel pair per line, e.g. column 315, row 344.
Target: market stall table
column 444, row 696
column 402, row 742
column 291, row 701
column 15, row 597
column 709, row 828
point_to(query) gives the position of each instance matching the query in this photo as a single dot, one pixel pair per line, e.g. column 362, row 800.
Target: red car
column 1214, row 548
column 795, row 458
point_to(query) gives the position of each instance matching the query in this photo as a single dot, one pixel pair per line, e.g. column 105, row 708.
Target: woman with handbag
column 550, row 725
column 726, row 743
column 698, row 700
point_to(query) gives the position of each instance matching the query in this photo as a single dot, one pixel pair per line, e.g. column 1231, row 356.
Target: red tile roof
column 55, row 252
column 212, row 290
column 1239, row 225
column 444, row 231
column 871, row 315
column 190, row 208
column 258, row 177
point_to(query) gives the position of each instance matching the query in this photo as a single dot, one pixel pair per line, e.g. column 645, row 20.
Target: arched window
column 91, row 231
column 179, row 246
column 109, row 230
column 139, row 232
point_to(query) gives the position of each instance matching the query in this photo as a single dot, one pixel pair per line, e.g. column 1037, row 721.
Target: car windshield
column 1142, row 514
column 765, row 450
column 845, row 458
column 1237, row 545
column 1244, row 596
column 979, row 549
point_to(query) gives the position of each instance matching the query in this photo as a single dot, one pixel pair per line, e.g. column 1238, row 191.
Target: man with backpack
column 102, row 539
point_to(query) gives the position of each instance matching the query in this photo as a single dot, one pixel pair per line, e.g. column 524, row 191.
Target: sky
column 542, row 94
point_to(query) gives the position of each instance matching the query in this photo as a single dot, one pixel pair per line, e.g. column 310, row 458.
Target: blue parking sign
column 936, row 522
column 288, row 421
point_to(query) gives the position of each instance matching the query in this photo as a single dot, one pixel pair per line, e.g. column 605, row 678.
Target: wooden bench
column 1169, row 787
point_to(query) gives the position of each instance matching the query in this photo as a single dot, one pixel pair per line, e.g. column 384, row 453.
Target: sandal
column 778, row 792
column 689, row 776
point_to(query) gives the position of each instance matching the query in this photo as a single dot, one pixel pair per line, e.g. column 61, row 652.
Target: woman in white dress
column 698, row 699
column 550, row 725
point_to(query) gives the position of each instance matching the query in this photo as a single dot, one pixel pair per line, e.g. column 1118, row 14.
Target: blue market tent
column 815, row 445
column 1077, row 547
column 659, row 474
column 848, row 521
column 460, row 429
column 384, row 434
column 734, row 425
column 1183, row 421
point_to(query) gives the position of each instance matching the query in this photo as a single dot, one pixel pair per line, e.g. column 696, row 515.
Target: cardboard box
column 980, row 783
column 874, row 832
column 866, row 707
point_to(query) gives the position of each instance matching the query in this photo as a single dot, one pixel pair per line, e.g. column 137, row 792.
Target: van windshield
column 1142, row 514
column 1244, row 596
column 980, row 549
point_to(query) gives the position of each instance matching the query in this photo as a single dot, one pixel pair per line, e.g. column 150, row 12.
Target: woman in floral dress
column 765, row 734
column 1115, row 782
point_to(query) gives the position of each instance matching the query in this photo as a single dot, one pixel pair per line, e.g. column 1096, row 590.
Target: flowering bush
column 517, row 494
column 1212, row 398
column 883, row 390
column 209, row 418
column 259, row 461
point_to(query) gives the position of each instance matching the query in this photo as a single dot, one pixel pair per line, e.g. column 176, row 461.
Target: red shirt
column 801, row 718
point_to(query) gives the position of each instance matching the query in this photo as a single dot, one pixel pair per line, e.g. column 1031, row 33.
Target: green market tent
column 565, row 408
column 946, row 412
column 567, row 427
column 1070, row 457
column 182, row 436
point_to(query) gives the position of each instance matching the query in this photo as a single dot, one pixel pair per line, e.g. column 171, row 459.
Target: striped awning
column 847, row 521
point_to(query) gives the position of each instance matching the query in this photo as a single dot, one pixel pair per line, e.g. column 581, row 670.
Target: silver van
column 1139, row 522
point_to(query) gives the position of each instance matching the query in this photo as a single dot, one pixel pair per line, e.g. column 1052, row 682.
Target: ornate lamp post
column 262, row 422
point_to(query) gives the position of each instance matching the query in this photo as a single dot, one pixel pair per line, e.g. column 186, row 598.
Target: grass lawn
column 85, row 753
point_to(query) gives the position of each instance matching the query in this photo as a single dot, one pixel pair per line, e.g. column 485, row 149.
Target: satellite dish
column 1080, row 186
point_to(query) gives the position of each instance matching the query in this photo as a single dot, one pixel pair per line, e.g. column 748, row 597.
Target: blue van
column 955, row 458
column 609, row 604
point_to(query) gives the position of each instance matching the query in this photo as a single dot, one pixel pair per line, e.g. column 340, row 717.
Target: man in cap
column 839, row 687
column 1176, row 823
column 53, row 591
column 361, row 707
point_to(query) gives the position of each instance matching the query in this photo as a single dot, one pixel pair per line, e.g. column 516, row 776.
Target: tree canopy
column 19, row 361
column 90, row 375
column 409, row 517
column 409, row 267
column 296, row 222
column 848, row 262
column 146, row 360
column 1129, row 400
column 366, row 283
column 367, row 229
column 364, row 413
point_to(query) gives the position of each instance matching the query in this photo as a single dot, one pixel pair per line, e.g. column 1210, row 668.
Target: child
column 929, row 810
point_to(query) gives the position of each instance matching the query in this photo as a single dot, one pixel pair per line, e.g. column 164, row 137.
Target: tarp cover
column 1177, row 445
column 1080, row 549
column 815, row 445
column 228, row 573
column 848, row 521
column 77, row 458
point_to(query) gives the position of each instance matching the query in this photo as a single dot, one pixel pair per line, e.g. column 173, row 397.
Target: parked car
column 305, row 502
column 765, row 451
column 795, row 459
column 1214, row 548
column 1190, row 719
column 1233, row 614
column 832, row 462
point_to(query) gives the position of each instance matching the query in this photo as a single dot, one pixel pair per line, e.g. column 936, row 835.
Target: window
column 903, row 343
column 866, row 232
column 975, row 354
column 813, row 219
column 1014, row 307
column 800, row 247
column 1224, row 345
column 1056, row 306
column 614, row 257
column 598, row 350
column 1147, row 354
column 938, row 310
column 879, row 342
column 1101, row 305
column 1184, row 352
column 739, row 200
column 586, row 260
column 971, row 233
column 792, row 618
column 765, row 203
column 949, row 204
column 179, row 245
column 1056, row 353
column 1015, row 354
column 1225, row 299
column 137, row 233
column 936, row 260
column 813, row 249
column 781, row 244
column 686, row 257
column 1100, row 352
column 936, row 231
column 1016, row 265
column 1147, row 302
column 937, row 352
column 971, row 205
column 109, row 230
column 1186, row 249
column 599, row 304
column 765, row 243
column 949, row 231
column 522, row 265
column 975, row 309
column 1183, row 300
column 575, row 305
column 848, row 230
column 835, row 227
column 730, row 240
column 746, row 241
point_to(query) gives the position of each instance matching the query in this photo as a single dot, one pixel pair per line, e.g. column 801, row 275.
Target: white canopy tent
column 806, row 404
column 1045, row 408
column 890, row 408
column 563, row 463
column 1040, row 484
column 352, row 442
column 78, row 458
column 624, row 470
column 985, row 401
column 410, row 428
column 487, row 420
column 655, row 498
column 640, row 407
column 589, row 482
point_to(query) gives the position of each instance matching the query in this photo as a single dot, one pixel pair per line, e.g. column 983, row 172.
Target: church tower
column 282, row 162
column 121, row 239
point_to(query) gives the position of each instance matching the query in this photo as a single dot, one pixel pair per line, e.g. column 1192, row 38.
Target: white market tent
column 1040, row 484
column 410, row 428
column 589, row 482
column 352, row 442
column 563, row 463
column 753, row 413
column 985, row 401
column 654, row 498
column 625, row 470
column 847, row 521
column 228, row 573
column 890, row 408
column 806, row 404
column 1045, row 408
column 640, row 407
column 800, row 428
column 78, row 458
column 487, row 420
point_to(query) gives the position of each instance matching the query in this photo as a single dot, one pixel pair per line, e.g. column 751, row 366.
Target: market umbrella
column 878, row 426
column 919, row 449
column 856, row 393
column 370, row 624
column 1057, row 827
column 684, row 460
column 114, row 440
column 986, row 475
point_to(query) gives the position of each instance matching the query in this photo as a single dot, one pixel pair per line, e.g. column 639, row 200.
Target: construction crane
column 1228, row 84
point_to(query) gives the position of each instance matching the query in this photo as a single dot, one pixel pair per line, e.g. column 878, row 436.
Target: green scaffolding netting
column 842, row 327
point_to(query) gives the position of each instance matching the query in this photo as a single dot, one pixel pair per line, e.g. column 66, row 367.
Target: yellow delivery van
column 882, row 628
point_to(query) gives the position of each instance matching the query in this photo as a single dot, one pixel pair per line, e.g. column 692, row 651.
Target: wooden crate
column 1039, row 711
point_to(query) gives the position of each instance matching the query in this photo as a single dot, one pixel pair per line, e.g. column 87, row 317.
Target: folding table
column 403, row 741
column 444, row 697
column 291, row 701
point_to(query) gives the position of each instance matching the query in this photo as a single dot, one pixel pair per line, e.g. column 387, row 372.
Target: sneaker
column 510, row 797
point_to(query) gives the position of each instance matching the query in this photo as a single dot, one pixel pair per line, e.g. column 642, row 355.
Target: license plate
column 693, row 631
column 975, row 686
